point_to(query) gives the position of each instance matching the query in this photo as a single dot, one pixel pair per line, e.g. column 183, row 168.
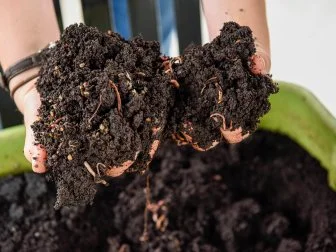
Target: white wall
column 72, row 12
column 303, row 44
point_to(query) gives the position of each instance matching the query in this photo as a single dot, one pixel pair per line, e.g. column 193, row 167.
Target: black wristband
column 2, row 79
column 23, row 65
column 21, row 83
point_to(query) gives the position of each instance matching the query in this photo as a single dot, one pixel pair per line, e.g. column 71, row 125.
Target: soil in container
column 265, row 194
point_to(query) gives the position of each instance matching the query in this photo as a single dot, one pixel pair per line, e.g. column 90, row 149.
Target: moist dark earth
column 106, row 101
column 265, row 194
column 216, row 80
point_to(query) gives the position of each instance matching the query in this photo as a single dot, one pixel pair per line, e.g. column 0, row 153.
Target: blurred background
column 302, row 36
column 303, row 39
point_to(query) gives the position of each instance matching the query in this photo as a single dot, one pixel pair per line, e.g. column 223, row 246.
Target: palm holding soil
column 215, row 113
column 31, row 102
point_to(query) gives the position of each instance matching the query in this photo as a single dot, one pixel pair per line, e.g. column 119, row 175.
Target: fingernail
column 259, row 65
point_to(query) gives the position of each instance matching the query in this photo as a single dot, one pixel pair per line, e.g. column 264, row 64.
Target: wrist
column 26, row 27
column 21, row 93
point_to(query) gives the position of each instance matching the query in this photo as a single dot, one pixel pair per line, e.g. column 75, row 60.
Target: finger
column 234, row 136
column 258, row 64
column 116, row 171
column 261, row 61
column 35, row 154
column 38, row 159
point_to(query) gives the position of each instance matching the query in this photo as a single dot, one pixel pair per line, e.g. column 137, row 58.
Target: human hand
column 28, row 101
column 115, row 171
column 260, row 64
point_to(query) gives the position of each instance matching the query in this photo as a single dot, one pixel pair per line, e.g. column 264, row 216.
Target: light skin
column 245, row 12
column 31, row 25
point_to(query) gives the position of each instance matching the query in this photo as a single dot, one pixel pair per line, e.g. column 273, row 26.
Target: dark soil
column 80, row 120
column 217, row 80
column 106, row 100
column 265, row 194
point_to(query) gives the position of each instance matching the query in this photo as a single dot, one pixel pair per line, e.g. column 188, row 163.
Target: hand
column 28, row 101
column 261, row 61
column 261, row 64
column 115, row 171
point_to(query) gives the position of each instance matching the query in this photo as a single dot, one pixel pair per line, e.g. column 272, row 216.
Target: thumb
column 35, row 153
column 261, row 61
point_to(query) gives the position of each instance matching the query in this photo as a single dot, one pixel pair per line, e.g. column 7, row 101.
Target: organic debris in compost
column 107, row 103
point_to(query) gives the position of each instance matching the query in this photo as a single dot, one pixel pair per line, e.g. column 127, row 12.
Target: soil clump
column 107, row 103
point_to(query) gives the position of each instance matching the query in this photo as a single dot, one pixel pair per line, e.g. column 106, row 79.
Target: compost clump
column 108, row 102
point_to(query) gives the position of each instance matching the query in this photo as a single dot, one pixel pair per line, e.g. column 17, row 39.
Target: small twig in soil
column 203, row 89
column 73, row 143
column 161, row 221
column 96, row 111
column 212, row 79
column 213, row 116
column 97, row 167
column 118, row 96
column 53, row 125
column 128, row 76
column 220, row 92
column 59, row 147
column 219, row 88
column 207, row 82
column 88, row 167
column 141, row 74
column 97, row 179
